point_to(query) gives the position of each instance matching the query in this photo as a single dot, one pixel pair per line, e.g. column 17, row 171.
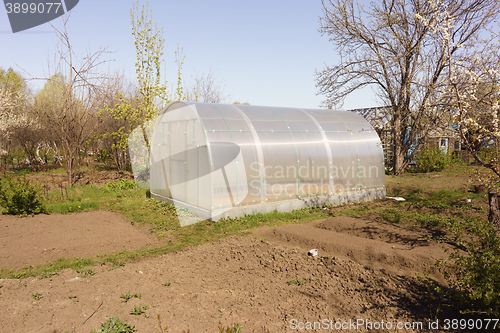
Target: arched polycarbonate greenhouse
column 222, row 160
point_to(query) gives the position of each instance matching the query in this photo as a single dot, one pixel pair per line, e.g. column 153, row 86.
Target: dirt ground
column 81, row 178
column 36, row 240
column 365, row 271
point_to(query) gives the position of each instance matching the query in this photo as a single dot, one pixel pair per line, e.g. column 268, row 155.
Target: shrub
column 121, row 185
column 20, row 197
column 103, row 156
column 473, row 269
column 432, row 159
column 114, row 325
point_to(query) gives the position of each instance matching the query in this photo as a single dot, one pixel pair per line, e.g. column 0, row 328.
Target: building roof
column 378, row 116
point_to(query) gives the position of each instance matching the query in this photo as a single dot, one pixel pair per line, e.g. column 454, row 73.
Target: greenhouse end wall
column 222, row 160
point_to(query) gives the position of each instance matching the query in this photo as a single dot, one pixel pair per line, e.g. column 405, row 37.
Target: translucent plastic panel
column 313, row 166
column 328, row 120
column 159, row 148
column 139, row 152
column 238, row 132
column 280, row 165
column 197, row 166
column 252, row 167
column 265, row 119
column 344, row 160
column 296, row 120
column 371, row 159
column 233, row 118
column 211, row 118
column 229, row 177
column 179, row 160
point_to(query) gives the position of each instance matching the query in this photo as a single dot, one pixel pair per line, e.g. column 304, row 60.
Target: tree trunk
column 494, row 201
column 397, row 144
column 398, row 155
column 69, row 164
column 398, row 160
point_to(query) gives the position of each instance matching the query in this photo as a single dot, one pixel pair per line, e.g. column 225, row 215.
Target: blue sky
column 264, row 52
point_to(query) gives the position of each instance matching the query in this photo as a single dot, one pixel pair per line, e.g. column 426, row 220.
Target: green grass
column 73, row 207
column 455, row 177
column 52, row 172
column 428, row 220
column 160, row 219
column 47, row 270
column 355, row 211
column 86, row 272
column 444, row 206
column 440, row 199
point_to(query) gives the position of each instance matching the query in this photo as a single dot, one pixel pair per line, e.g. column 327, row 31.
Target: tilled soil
column 36, row 240
column 266, row 282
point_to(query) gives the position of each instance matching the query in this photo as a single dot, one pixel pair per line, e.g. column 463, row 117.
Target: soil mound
column 398, row 249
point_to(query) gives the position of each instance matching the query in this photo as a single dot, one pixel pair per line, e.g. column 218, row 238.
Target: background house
column 447, row 138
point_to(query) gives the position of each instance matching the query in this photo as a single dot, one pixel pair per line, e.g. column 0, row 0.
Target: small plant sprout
column 139, row 309
column 37, row 296
column 297, row 281
column 114, row 324
column 166, row 284
column 126, row 297
column 235, row 329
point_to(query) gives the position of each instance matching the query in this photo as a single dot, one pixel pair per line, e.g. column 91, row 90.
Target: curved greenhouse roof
column 226, row 160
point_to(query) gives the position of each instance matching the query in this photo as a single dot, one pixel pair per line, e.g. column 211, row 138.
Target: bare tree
column 388, row 47
column 206, row 88
column 74, row 117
